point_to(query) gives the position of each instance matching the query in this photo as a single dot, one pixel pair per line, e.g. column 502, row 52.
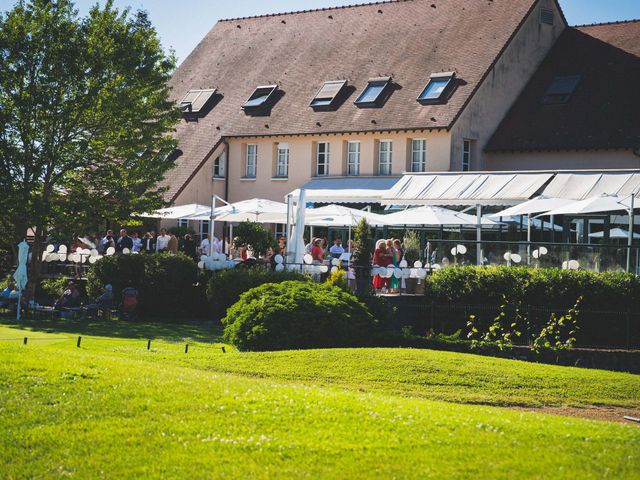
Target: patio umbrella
column 20, row 275
column 614, row 233
column 535, row 205
column 340, row 216
column 178, row 211
column 258, row 210
column 296, row 246
column 434, row 216
column 598, row 204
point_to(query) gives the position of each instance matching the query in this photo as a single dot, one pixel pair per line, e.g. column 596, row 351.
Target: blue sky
column 182, row 24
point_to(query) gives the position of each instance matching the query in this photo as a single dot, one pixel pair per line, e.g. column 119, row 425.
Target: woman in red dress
column 381, row 259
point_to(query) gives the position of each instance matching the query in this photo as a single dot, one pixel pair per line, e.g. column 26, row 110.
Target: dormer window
column 437, row 89
column 561, row 89
column 195, row 100
column 327, row 95
column 260, row 96
column 374, row 93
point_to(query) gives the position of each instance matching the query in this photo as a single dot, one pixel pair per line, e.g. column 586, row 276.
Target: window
column 466, row 155
column 195, row 100
column 282, row 160
column 204, row 228
column 251, row 161
column 385, row 152
column 219, row 165
column 281, row 230
column 418, row 155
column 183, row 223
column 260, row 96
column 546, row 16
column 436, row 89
column 328, row 93
column 353, row 158
column 561, row 89
column 373, row 92
column 322, row 159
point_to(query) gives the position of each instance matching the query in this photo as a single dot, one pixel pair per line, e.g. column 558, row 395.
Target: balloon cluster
column 81, row 255
column 570, row 265
column 309, row 267
column 215, row 261
column 401, row 271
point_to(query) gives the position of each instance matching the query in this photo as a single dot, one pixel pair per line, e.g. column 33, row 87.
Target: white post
column 478, row 234
column 19, row 302
column 289, row 213
column 630, row 239
column 212, row 218
column 529, row 238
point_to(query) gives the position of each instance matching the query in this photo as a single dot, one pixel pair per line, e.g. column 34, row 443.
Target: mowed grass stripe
column 87, row 413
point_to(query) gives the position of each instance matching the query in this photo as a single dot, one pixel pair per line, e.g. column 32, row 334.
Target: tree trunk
column 35, row 265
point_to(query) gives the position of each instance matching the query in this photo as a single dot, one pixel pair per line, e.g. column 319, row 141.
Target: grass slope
column 112, row 409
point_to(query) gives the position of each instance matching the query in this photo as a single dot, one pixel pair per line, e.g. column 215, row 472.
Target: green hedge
column 225, row 286
column 167, row 284
column 473, row 285
column 293, row 315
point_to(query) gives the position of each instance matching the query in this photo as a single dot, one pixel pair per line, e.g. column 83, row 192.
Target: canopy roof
column 255, row 210
column 537, row 204
column 340, row 216
column 600, row 203
column 456, row 188
column 347, row 190
column 585, row 184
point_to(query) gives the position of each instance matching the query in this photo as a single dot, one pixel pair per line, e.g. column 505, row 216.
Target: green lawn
column 113, row 409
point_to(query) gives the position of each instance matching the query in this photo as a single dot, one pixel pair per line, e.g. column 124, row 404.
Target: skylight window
column 328, row 93
column 372, row 95
column 195, row 100
column 561, row 89
column 437, row 88
column 260, row 96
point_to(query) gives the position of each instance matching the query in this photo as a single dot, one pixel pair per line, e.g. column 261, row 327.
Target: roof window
column 373, row 94
column 561, row 89
column 195, row 100
column 260, row 96
column 437, row 89
column 328, row 93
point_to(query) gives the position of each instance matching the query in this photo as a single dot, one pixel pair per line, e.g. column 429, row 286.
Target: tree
column 257, row 238
column 85, row 118
column 362, row 256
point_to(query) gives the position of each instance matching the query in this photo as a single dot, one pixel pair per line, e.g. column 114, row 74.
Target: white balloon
column 62, row 249
column 565, row 265
column 543, row 250
column 85, row 251
column 334, row 269
column 215, row 256
column 461, row 249
column 94, row 252
column 84, row 258
column 93, row 260
column 324, row 268
column 279, row 267
column 201, row 265
column 406, row 273
column 126, row 251
column 278, row 258
column 53, row 257
column 48, row 258
column 404, row 264
column 222, row 257
column 389, row 272
column 203, row 258
column 417, row 264
column 413, row 273
column 111, row 251
column 574, row 265
column 454, row 251
column 516, row 258
column 308, row 259
column 422, row 273
column 437, row 266
column 507, row 256
column 536, row 254
column 45, row 254
column 445, row 262
column 334, row 261
column 397, row 272
column 50, row 248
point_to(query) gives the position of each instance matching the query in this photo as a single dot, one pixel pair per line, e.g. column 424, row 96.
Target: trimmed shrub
column 166, row 283
column 471, row 285
column 225, row 286
column 294, row 315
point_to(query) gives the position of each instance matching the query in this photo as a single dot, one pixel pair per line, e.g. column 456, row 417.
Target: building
column 348, row 99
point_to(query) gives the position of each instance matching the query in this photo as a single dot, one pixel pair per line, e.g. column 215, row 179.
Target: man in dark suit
column 148, row 243
column 124, row 241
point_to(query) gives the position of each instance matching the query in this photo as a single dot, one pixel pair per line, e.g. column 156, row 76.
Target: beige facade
column 503, row 85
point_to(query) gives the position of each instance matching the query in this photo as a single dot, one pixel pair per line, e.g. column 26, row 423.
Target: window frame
column 448, row 78
column 318, row 102
column 268, row 89
column 282, row 148
column 251, row 156
column 423, row 151
column 353, row 159
column 551, row 98
column 383, row 82
column 326, row 157
column 468, row 152
column 219, row 164
column 389, row 160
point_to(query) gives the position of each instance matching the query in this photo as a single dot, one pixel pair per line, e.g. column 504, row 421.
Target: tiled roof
column 407, row 40
column 603, row 111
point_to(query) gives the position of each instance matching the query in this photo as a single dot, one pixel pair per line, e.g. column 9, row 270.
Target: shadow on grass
column 162, row 330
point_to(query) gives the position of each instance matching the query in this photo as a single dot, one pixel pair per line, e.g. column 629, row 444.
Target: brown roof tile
column 603, row 111
column 407, row 40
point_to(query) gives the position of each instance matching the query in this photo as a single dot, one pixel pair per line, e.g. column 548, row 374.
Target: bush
column 255, row 236
column 295, row 314
column 166, row 283
column 225, row 286
column 411, row 245
column 338, row 279
column 551, row 287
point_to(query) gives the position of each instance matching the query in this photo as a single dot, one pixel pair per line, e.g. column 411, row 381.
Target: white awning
column 255, row 210
column 455, row 188
column 535, row 205
column 177, row 211
column 346, row 190
column 434, row 216
column 581, row 185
